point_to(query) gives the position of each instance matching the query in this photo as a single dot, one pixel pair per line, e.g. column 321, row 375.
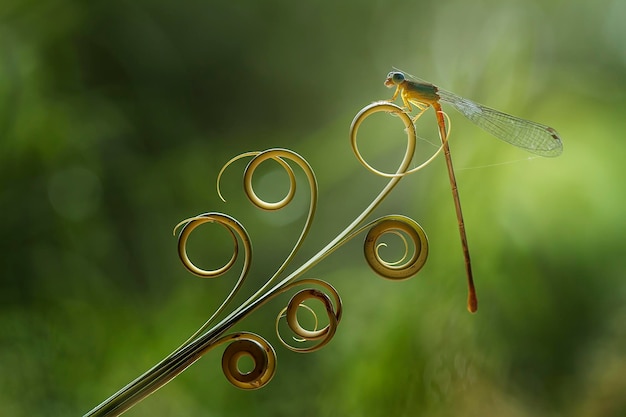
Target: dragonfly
column 533, row 137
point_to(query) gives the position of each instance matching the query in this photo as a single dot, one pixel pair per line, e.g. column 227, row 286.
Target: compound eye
column 397, row 77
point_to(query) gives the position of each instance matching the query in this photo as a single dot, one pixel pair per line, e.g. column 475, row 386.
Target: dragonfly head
column 394, row 78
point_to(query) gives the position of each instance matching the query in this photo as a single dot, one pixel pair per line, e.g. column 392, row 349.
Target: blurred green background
column 116, row 116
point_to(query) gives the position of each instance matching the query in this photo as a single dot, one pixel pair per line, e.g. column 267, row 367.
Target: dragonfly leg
column 418, row 115
column 395, row 94
column 421, row 106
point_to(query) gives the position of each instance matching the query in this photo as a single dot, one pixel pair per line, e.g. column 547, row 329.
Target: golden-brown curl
column 412, row 261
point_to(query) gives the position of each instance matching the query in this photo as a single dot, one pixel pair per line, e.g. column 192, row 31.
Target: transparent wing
column 533, row 137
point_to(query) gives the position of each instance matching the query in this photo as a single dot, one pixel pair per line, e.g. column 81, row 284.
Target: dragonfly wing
column 533, row 137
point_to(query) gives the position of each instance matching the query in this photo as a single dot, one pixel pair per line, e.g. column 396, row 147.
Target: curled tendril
column 254, row 347
column 277, row 155
column 385, row 106
column 249, row 173
column 238, row 233
column 281, row 156
column 332, row 307
column 407, row 266
column 232, row 226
